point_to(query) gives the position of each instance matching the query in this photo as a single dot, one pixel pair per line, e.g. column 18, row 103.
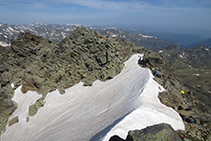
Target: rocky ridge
column 186, row 105
column 42, row 65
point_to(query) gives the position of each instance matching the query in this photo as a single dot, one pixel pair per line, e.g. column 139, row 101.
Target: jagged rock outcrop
column 159, row 132
column 42, row 65
column 186, row 105
column 156, row 133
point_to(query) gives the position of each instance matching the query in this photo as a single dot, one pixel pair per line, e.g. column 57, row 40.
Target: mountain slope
column 181, row 39
column 206, row 42
column 88, row 110
column 192, row 67
column 37, row 71
column 86, row 72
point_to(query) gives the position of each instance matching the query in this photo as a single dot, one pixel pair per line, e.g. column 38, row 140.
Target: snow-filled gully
column 84, row 113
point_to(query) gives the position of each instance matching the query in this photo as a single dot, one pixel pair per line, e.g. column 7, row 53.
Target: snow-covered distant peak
column 111, row 28
column 77, row 25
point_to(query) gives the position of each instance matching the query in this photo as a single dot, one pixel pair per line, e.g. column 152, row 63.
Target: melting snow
column 10, row 28
column 181, row 56
column 12, row 85
column 82, row 112
column 160, row 51
column 114, row 35
column 198, row 86
column 63, row 35
column 4, row 44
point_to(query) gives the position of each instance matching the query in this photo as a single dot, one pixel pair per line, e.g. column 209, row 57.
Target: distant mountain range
column 206, row 42
column 58, row 32
column 197, row 56
column 55, row 32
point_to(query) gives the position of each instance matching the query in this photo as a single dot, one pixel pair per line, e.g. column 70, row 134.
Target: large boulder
column 159, row 132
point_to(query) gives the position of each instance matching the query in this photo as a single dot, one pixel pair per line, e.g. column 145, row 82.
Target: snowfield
column 126, row 102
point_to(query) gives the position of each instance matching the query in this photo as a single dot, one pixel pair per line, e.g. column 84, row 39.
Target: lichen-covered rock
column 13, row 121
column 159, row 132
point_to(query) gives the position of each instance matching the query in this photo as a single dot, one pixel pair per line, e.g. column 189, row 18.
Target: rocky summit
column 42, row 65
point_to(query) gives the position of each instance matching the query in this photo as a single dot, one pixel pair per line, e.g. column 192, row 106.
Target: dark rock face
column 115, row 138
column 158, row 132
column 42, row 65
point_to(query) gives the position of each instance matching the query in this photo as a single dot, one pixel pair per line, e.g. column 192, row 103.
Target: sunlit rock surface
column 84, row 113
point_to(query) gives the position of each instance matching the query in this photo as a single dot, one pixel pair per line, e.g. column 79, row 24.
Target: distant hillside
column 139, row 39
column 197, row 56
column 206, row 42
column 193, row 68
column 181, row 39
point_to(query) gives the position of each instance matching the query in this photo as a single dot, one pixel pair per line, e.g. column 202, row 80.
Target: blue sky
column 175, row 14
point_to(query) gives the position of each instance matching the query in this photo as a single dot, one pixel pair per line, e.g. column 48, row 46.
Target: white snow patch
column 114, row 35
column 52, row 32
column 12, row 85
column 209, row 92
column 82, row 112
column 198, row 86
column 196, row 74
column 207, row 49
column 150, row 112
column 10, row 28
column 4, row 44
column 181, row 56
column 77, row 25
column 146, row 36
column 160, row 51
column 63, row 35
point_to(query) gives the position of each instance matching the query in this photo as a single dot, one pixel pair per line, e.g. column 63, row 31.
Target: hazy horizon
column 188, row 16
